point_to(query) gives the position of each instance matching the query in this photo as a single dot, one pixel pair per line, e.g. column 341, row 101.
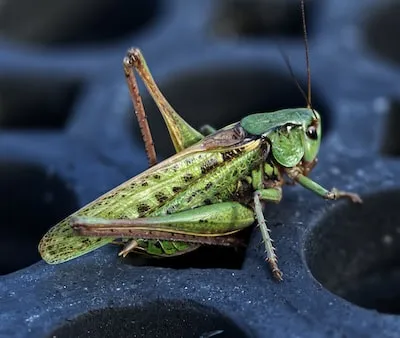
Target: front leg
column 296, row 175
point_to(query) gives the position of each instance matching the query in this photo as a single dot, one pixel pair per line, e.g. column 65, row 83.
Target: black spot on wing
column 209, row 165
column 176, row 189
column 161, row 197
column 187, row 177
column 142, row 209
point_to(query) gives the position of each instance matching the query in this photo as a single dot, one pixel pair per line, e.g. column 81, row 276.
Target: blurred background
column 54, row 53
column 68, row 132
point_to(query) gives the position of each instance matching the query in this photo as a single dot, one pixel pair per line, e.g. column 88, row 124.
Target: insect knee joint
column 132, row 57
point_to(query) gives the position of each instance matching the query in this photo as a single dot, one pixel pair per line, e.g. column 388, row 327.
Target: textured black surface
column 68, row 135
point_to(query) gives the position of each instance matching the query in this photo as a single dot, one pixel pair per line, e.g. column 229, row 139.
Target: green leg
column 309, row 184
column 207, row 130
column 211, row 220
column 182, row 134
column 270, row 195
column 257, row 178
column 211, row 224
column 273, row 194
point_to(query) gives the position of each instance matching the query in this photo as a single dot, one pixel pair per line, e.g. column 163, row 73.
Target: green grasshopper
column 212, row 188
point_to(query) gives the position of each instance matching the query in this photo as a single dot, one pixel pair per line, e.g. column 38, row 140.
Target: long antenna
column 303, row 16
column 288, row 65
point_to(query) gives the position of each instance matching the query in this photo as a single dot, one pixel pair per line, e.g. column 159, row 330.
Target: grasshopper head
column 311, row 141
column 294, row 134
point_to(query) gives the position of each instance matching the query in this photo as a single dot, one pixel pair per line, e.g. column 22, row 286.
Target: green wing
column 61, row 244
column 141, row 196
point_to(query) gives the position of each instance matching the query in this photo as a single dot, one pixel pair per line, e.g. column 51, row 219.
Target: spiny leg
column 140, row 113
column 182, row 134
column 334, row 194
column 210, row 224
column 271, row 195
column 209, row 220
column 80, row 224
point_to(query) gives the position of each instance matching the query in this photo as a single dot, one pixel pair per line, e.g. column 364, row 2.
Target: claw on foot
column 276, row 273
column 335, row 194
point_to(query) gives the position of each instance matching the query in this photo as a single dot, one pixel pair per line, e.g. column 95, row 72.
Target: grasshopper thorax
column 294, row 134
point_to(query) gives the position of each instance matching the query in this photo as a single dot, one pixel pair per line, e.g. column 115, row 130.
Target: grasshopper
column 212, row 188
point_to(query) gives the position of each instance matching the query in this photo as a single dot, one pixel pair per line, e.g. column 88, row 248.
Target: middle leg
column 270, row 195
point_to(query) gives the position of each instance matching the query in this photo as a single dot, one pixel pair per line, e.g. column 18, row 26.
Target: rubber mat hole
column 382, row 29
column 219, row 97
column 156, row 319
column 49, row 23
column 205, row 257
column 260, row 18
column 355, row 252
column 390, row 144
column 27, row 103
column 32, row 201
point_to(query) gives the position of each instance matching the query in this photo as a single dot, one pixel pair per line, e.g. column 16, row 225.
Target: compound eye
column 312, row 132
